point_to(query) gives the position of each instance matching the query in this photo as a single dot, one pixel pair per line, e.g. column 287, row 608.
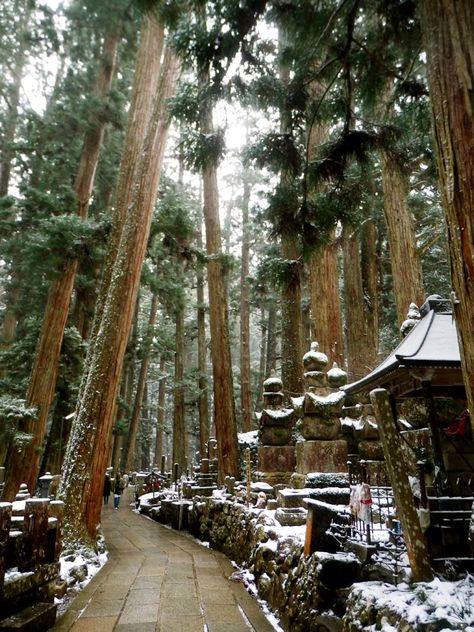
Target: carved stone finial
column 336, row 377
column 412, row 319
column 314, row 360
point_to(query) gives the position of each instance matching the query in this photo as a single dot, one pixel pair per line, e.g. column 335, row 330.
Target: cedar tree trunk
column 88, row 449
column 23, row 465
column 406, row 266
column 359, row 354
column 448, row 27
column 160, row 415
column 245, row 392
column 325, row 302
column 370, row 274
column 179, row 422
column 129, row 456
column 202, row 355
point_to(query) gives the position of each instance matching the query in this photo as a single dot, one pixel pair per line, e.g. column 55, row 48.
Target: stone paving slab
column 158, row 580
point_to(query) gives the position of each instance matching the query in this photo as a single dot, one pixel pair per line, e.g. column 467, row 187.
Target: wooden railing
column 30, row 546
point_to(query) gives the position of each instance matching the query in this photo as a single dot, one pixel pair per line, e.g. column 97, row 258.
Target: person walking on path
column 107, row 489
column 118, row 488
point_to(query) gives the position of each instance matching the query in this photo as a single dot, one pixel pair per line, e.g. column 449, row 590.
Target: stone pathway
column 160, row 580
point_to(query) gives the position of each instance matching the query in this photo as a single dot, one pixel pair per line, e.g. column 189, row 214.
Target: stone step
column 36, row 618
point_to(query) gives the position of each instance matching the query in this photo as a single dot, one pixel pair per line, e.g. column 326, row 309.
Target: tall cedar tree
column 245, row 392
column 22, row 466
column 291, row 348
column 129, row 456
column 88, row 449
column 202, row 352
column 224, row 407
column 448, row 27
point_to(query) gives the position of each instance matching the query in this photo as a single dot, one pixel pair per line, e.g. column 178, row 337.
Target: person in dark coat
column 107, row 489
column 118, row 488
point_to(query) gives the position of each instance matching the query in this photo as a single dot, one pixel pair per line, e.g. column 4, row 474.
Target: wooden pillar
column 435, row 438
column 417, row 549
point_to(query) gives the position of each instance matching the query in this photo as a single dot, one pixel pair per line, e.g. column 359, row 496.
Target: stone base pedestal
column 272, row 458
column 371, row 450
column 321, row 456
column 274, row 478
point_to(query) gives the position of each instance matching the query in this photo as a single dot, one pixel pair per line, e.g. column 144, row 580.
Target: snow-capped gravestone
column 322, row 448
column 276, row 451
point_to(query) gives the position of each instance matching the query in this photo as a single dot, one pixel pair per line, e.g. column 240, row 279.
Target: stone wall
column 324, row 592
column 309, row 595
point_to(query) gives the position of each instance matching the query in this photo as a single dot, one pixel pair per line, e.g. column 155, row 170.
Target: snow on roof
column 433, row 341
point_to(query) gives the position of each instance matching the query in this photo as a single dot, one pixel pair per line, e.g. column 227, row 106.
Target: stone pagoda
column 276, row 450
column 322, row 448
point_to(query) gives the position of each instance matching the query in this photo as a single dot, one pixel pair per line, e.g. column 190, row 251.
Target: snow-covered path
column 160, row 580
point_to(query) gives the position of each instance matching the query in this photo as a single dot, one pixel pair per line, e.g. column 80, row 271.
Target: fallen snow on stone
column 151, row 499
column 13, row 573
column 425, row 602
column 297, row 402
column 279, row 414
column 248, row 438
column 81, row 566
column 332, row 398
column 272, row 381
column 336, row 372
column 298, row 534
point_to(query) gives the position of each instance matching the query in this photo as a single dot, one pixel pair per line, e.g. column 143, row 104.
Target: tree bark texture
column 160, row 414
column 291, row 351
column 326, row 324
column 245, row 386
column 202, row 355
column 224, row 411
column 224, row 405
column 86, row 457
column 179, row 421
column 448, row 27
column 147, row 72
column 23, row 11
column 23, row 466
column 326, row 321
column 417, row 549
column 405, row 262
column 291, row 348
column 262, row 359
column 270, row 347
column 359, row 354
column 129, row 455
column 370, row 276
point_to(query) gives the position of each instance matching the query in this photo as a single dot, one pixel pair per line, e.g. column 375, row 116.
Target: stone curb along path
column 160, row 580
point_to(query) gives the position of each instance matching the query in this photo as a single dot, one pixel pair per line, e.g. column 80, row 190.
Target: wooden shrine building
column 423, row 380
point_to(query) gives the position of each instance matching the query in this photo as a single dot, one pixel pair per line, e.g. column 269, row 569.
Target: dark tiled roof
column 432, row 342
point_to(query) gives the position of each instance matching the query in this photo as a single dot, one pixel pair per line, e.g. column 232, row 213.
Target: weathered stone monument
column 322, row 448
column 276, row 450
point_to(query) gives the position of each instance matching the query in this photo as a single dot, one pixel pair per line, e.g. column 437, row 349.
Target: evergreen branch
column 329, row 24
column 430, row 242
column 347, row 65
column 308, row 136
column 377, row 61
